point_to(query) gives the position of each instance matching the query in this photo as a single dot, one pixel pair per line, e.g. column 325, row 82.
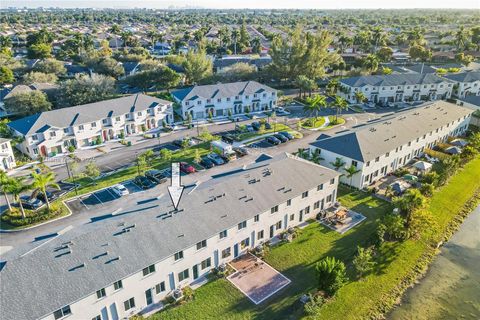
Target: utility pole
column 71, row 176
column 198, row 132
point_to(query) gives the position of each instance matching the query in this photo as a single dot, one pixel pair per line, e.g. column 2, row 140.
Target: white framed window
column 178, row 255
column 101, row 293
column 183, row 275
column 63, row 312
column 148, row 270
column 129, row 304
column 118, row 285
column 202, row 244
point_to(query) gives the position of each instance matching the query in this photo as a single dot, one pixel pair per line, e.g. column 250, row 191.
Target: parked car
column 287, row 135
column 143, row 182
column 281, row 137
column 228, row 138
column 120, row 190
column 255, row 125
column 241, row 151
column 156, row 176
column 268, row 126
column 217, row 160
column 31, row 203
column 186, row 168
column 177, row 143
column 51, row 195
column 273, row 140
column 207, row 163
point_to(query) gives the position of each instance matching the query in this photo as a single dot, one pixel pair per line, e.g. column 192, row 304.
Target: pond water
column 451, row 288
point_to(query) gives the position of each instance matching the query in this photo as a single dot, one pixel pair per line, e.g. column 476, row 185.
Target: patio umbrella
column 410, row 177
column 459, row 143
column 422, row 165
column 453, row 150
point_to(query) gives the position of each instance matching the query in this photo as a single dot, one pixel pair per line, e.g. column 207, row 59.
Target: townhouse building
column 7, row 159
column 53, row 132
column 465, row 83
column 390, row 143
column 392, row 88
column 125, row 264
column 225, row 98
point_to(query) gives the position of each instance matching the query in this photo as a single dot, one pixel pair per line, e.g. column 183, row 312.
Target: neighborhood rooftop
column 368, row 142
column 86, row 113
column 88, row 258
column 394, row 80
column 221, row 90
column 464, row 76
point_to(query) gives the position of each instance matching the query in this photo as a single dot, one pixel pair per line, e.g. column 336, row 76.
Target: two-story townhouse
column 383, row 89
column 390, row 143
column 120, row 266
column 53, row 132
column 466, row 83
column 224, row 99
column 7, row 159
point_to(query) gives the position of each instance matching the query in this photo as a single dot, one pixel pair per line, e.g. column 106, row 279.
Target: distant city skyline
column 254, row 4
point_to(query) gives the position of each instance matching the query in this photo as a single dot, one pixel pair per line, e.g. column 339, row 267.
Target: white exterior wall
column 82, row 135
column 7, row 159
column 398, row 157
column 199, row 107
column 467, row 89
column 136, row 284
column 400, row 93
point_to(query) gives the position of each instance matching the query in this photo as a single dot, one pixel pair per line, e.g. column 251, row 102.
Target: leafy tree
column 332, row 87
column 159, row 78
column 166, row 154
column 461, row 38
column 256, row 45
column 50, row 66
column 475, row 32
column 339, row 104
column 393, row 226
column 412, row 199
column 427, row 189
column 91, row 170
column 106, row 66
column 5, row 181
column 5, row 45
column 39, row 44
column 39, row 77
column 363, row 261
column 85, row 89
column 350, row 172
column 370, row 63
column 338, row 163
column 16, row 187
column 185, row 143
column 197, row 158
column 385, row 54
column 39, row 51
column 237, row 72
column 463, row 58
column 305, row 85
column 360, row 96
column 418, row 52
column 41, row 182
column 331, row 274
column 6, row 75
column 421, row 221
column 197, row 66
column 149, row 155
column 27, row 103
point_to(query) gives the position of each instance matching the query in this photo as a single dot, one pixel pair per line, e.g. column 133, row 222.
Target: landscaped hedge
column 14, row 217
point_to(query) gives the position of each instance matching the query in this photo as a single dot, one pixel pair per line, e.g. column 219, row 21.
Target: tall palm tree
column 461, row 38
column 41, row 182
column 350, row 172
column 5, row 181
column 115, row 30
column 339, row 104
column 338, row 163
column 315, row 157
column 236, row 37
column 16, row 187
column 370, row 63
column 302, row 153
column 360, row 96
column 314, row 104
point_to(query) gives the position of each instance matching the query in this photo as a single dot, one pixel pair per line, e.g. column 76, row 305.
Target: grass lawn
column 321, row 121
column 186, row 155
column 357, row 299
column 32, row 217
column 275, row 127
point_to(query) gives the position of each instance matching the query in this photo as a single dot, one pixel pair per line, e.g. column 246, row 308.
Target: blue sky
column 367, row 4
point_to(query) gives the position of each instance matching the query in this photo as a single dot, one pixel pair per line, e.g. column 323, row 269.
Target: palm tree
column 360, row 96
column 315, row 157
column 235, row 36
column 16, row 187
column 115, row 30
column 370, row 63
column 5, row 181
column 41, row 182
column 461, row 38
column 338, row 163
column 314, row 104
column 351, row 171
column 339, row 104
column 302, row 153
column 332, row 87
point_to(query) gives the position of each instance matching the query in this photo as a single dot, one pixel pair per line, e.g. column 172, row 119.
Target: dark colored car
column 273, row 140
column 207, row 163
column 216, row 159
column 268, row 126
column 241, row 151
column 287, row 135
column 51, row 195
column 186, row 168
column 177, row 143
column 228, row 138
column 31, row 203
column 143, row 182
column 281, row 137
column 255, row 125
column 156, row 176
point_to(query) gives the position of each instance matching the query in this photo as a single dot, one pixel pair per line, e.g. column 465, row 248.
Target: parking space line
column 81, row 201
column 94, row 194
column 114, row 195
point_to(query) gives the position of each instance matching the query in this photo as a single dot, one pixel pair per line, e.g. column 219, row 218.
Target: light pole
column 138, row 162
column 71, row 176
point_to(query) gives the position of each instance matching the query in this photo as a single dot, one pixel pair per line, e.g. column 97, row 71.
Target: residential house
column 224, row 98
column 128, row 263
column 7, row 159
column 53, row 132
column 220, row 64
column 466, row 83
column 130, row 68
column 48, row 88
column 391, row 142
column 382, row 89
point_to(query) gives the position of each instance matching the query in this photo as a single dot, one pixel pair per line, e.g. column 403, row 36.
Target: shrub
column 331, row 275
column 314, row 304
column 392, row 227
column 188, row 293
column 363, row 261
column 14, row 217
column 427, row 189
column 71, row 148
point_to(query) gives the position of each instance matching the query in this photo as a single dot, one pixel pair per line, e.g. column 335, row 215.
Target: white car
column 120, row 190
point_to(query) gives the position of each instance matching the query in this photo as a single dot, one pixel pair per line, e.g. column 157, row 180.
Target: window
column 289, row 202
column 201, row 244
column 260, row 234
column 187, row 103
column 332, row 181
column 244, row 243
column 97, row 318
column 278, row 225
column 329, row 198
column 65, row 130
column 60, row 313
column 307, row 210
column 228, row 99
column 101, row 293
column 34, row 137
column 93, row 124
column 316, row 205
column 118, row 285
column 209, row 100
column 53, row 133
column 274, row 209
column 242, row 225
column 387, row 154
column 183, row 275
column 219, row 100
column 305, row 194
column 199, row 102
column 160, row 287
column 104, row 121
column 377, row 159
column 354, row 163
column 292, row 217
column 226, row 253
column 223, row 234
column 117, row 119
column 80, row 127
column 129, row 304
column 148, row 270
column 178, row 255
column 206, row 263
column 256, row 218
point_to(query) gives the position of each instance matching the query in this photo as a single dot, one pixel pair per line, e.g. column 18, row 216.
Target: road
column 27, row 239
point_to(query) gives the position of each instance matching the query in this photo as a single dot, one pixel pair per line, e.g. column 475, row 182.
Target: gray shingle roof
column 221, row 90
column 464, row 76
column 86, row 113
column 394, row 80
column 48, row 278
column 367, row 143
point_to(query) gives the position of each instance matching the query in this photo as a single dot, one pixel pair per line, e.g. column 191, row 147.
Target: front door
column 235, row 250
column 272, row 229
column 113, row 311
column 195, row 271
column 148, row 296
column 300, row 218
